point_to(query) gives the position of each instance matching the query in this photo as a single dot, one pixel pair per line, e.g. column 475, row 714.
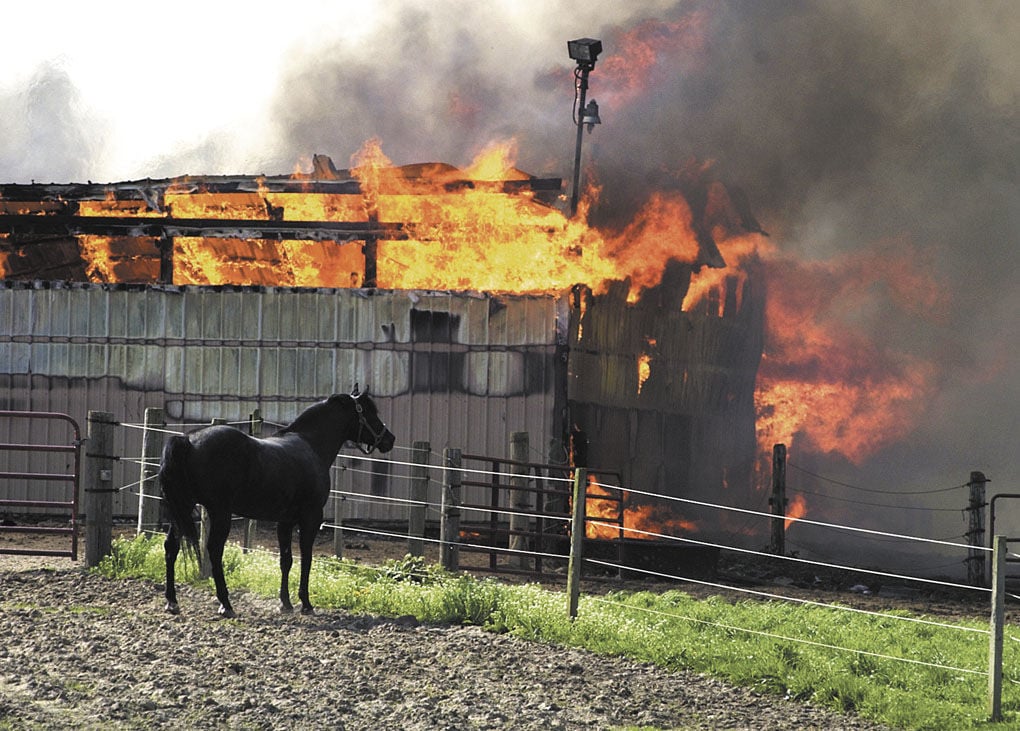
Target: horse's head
column 372, row 432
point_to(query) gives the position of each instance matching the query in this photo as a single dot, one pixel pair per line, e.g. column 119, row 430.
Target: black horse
column 283, row 478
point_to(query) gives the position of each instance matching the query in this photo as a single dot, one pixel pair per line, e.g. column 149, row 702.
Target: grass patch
column 741, row 642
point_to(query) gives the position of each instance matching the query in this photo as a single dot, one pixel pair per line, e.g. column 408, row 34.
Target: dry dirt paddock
column 83, row 651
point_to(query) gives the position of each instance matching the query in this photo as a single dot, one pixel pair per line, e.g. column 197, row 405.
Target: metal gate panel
column 47, row 471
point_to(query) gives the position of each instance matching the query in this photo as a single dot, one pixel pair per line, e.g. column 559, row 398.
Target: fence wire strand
column 798, row 640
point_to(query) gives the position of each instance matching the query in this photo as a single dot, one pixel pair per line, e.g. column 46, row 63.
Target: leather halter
column 363, row 426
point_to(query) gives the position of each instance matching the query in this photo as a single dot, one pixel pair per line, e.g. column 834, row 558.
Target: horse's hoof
column 227, row 613
column 307, row 610
column 286, row 608
column 173, row 608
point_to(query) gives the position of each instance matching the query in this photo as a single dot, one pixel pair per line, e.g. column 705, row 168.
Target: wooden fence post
column 577, row 531
column 418, row 494
column 520, row 500
column 255, row 429
column 153, row 437
column 778, row 500
column 997, row 624
column 98, row 487
column 976, row 558
column 449, row 521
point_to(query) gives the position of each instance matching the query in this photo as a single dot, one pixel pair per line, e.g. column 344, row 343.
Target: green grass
column 672, row 630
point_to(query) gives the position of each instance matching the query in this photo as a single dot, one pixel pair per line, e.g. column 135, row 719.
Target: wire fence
column 386, row 484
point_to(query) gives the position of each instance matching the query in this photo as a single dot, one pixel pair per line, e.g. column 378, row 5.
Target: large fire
column 821, row 385
column 821, row 379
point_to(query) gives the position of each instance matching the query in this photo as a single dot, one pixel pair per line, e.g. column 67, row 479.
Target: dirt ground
column 94, row 653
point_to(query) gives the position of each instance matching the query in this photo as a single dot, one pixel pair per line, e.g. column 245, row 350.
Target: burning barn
column 469, row 304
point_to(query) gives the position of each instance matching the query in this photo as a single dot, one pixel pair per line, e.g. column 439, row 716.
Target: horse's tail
column 178, row 496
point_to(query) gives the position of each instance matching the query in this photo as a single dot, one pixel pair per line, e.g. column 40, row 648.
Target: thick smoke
column 868, row 126
column 48, row 132
column 852, row 127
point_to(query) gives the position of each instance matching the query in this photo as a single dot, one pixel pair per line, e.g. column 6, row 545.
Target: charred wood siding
column 688, row 428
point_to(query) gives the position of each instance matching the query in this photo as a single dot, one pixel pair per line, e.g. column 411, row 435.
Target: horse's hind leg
column 171, row 547
column 219, row 529
column 309, row 528
column 284, row 533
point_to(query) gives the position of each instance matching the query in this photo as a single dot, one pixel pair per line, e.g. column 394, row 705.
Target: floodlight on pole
column 584, row 51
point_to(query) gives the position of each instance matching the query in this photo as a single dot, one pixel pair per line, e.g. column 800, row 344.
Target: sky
column 872, row 127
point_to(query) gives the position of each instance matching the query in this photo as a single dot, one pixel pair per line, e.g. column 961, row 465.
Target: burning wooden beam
column 59, row 224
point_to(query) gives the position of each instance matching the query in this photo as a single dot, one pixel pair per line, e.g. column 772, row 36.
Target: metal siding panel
column 345, row 370
column 269, row 366
column 59, row 360
column 174, row 304
column 20, row 357
column 304, row 374
column 7, row 303
column 192, row 375
column 174, row 369
column 286, row 366
column 59, row 314
column 230, row 381
column 231, row 307
column 192, row 317
column 475, row 325
column 212, row 308
column 154, row 304
column 21, row 313
column 476, row 372
column 134, row 314
column 248, row 372
column 40, row 313
column 76, row 302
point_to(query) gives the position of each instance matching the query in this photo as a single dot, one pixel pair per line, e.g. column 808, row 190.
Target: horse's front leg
column 284, row 533
column 309, row 529
column 171, row 547
column 219, row 529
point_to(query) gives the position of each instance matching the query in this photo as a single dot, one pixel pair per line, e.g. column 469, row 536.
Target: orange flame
column 822, row 377
column 796, row 509
column 628, row 520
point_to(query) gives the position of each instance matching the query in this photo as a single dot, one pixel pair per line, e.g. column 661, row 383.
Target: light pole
column 584, row 51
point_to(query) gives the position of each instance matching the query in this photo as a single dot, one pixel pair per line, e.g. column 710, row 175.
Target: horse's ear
column 354, row 391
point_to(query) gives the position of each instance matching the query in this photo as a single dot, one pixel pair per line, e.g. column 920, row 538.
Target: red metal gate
column 70, row 478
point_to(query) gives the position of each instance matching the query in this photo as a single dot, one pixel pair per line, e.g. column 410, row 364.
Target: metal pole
column 583, row 91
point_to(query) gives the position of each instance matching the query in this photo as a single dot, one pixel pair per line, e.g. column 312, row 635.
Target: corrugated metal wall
column 456, row 369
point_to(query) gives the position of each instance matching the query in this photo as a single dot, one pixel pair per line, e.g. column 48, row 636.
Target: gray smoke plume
column 868, row 126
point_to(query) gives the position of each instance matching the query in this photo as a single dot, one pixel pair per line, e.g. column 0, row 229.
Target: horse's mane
column 313, row 416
